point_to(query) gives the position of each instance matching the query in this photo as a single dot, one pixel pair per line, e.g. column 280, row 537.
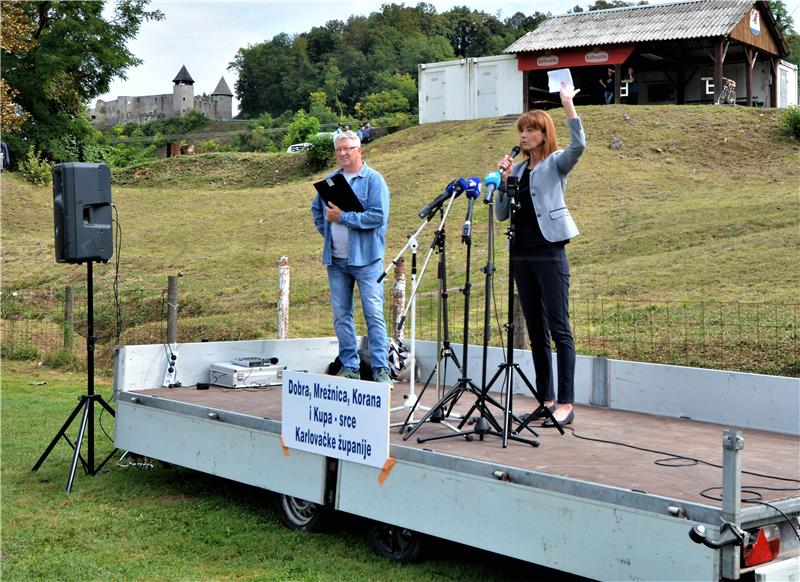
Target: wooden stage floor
column 573, row 455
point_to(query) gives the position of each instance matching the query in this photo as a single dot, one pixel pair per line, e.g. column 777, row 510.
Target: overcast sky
column 206, row 35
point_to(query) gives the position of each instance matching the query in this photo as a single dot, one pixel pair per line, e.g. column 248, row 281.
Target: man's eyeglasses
column 346, row 149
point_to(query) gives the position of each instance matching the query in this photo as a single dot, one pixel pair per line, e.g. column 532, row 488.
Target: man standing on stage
column 353, row 250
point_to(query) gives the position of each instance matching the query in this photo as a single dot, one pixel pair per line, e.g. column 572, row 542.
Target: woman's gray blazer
column 547, row 185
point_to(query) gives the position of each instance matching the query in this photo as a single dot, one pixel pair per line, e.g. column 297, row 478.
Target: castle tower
column 182, row 93
column 222, row 99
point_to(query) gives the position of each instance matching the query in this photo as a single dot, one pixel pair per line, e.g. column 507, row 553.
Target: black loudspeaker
column 82, row 212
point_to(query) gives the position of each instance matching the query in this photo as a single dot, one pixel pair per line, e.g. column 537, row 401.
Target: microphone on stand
column 492, row 181
column 456, row 186
column 473, row 191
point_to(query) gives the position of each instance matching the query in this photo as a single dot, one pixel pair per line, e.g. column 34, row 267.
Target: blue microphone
column 456, row 187
column 473, row 192
column 492, row 181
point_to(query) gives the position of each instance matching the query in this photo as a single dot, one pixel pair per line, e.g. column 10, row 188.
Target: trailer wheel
column 301, row 515
column 399, row 544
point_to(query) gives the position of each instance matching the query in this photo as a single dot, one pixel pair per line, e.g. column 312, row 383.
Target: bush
column 790, row 122
column 301, row 128
column 63, row 359
column 320, row 155
column 10, row 351
column 36, row 169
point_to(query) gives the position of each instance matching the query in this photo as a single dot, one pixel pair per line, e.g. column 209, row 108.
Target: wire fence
column 741, row 336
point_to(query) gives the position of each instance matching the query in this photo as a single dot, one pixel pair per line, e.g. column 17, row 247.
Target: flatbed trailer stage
column 614, row 498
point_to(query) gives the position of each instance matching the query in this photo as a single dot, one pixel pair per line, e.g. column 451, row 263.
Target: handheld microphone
column 492, row 181
column 456, row 186
column 473, row 192
column 514, row 152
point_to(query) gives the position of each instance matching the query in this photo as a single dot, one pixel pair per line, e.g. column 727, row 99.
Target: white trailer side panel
column 226, row 449
column 583, row 536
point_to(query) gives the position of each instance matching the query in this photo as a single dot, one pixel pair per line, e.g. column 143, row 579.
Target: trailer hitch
column 730, row 535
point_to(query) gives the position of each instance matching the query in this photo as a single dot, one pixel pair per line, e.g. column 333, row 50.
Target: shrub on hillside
column 302, row 127
column 35, row 168
column 790, row 122
column 320, row 155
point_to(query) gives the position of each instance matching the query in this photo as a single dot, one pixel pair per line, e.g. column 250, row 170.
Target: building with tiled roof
column 679, row 52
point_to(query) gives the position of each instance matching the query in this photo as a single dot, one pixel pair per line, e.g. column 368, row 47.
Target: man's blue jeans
column 341, row 279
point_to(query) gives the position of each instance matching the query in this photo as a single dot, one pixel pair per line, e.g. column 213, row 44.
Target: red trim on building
column 575, row 57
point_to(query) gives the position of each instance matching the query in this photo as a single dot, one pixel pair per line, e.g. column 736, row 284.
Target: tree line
column 367, row 66
column 59, row 56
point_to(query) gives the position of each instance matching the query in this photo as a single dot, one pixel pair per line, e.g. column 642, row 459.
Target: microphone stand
column 443, row 349
column 507, row 368
column 486, row 417
column 409, row 399
column 485, row 424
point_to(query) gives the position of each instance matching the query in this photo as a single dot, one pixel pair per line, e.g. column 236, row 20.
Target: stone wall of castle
column 151, row 107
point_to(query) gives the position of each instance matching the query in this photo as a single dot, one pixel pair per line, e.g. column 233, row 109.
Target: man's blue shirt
column 368, row 228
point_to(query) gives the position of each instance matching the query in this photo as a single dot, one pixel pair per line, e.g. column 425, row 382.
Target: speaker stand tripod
column 85, row 405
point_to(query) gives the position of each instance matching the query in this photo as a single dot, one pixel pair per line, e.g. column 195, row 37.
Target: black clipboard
column 337, row 191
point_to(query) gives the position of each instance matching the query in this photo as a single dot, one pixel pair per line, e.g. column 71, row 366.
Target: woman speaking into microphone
column 543, row 227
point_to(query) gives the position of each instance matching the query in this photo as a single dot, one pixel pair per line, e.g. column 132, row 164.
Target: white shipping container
column 787, row 84
column 470, row 88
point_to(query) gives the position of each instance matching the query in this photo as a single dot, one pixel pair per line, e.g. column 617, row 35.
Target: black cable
column 786, row 517
column 757, row 499
column 117, row 304
column 496, row 310
column 704, row 493
column 100, row 419
column 693, row 461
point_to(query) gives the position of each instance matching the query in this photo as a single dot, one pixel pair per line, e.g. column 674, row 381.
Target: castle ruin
column 217, row 106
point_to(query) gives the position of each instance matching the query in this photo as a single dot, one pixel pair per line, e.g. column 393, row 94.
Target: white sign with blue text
column 336, row 417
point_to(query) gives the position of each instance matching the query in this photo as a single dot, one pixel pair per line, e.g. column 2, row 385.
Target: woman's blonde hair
column 542, row 121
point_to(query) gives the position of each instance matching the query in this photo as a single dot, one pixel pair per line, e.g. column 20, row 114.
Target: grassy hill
column 699, row 203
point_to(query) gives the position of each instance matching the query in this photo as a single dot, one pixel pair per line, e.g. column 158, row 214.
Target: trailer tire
column 399, row 544
column 301, row 515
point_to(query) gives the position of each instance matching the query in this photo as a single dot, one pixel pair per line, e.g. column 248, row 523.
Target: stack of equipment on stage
column 247, row 372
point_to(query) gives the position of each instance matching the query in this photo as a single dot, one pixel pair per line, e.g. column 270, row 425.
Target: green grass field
column 701, row 203
column 169, row 523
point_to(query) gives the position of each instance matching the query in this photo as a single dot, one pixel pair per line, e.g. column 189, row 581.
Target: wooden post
column 719, row 58
column 172, row 309
column 69, row 302
column 617, row 83
column 526, row 91
column 773, row 88
column 521, row 341
column 283, row 298
column 398, row 297
column 752, row 55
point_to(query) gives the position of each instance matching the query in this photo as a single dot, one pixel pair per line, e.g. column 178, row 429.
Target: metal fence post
column 283, row 298
column 172, row 309
column 398, row 297
column 69, row 330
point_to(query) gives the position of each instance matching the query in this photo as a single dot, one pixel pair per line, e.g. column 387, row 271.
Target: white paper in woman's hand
column 556, row 77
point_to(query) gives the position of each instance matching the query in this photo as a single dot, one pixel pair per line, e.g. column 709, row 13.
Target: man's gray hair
column 347, row 135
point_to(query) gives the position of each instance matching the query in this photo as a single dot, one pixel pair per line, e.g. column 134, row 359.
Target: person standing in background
column 608, row 86
column 633, row 86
